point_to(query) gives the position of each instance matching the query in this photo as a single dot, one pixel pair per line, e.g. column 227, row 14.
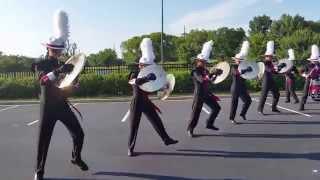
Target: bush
column 116, row 84
column 18, row 88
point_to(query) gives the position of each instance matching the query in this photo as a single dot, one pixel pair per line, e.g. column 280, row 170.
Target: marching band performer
column 201, row 79
column 291, row 79
column 53, row 101
column 141, row 103
column 238, row 86
column 268, row 83
column 308, row 71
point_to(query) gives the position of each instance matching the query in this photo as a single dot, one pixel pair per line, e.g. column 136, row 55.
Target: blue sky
column 99, row 24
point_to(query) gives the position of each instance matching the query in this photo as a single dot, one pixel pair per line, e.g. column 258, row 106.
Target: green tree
column 258, row 43
column 131, row 48
column 103, row 58
column 260, row 24
column 227, row 41
column 13, row 63
column 191, row 45
column 300, row 41
column 287, row 25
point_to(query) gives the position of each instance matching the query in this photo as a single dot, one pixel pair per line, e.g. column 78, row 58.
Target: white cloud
column 230, row 13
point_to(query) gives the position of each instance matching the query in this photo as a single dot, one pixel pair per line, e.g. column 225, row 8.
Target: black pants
column 47, row 123
column 264, row 93
column 197, row 108
column 245, row 97
column 305, row 94
column 135, row 117
column 290, row 91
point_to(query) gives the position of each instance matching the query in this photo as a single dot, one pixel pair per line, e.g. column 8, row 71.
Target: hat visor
column 200, row 59
column 50, row 46
column 272, row 55
column 310, row 59
column 235, row 58
column 146, row 63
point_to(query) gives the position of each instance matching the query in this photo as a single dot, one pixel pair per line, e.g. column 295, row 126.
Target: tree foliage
column 260, row 24
column 103, row 58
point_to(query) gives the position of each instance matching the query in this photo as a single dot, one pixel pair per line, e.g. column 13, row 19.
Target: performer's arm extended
column 149, row 77
column 46, row 78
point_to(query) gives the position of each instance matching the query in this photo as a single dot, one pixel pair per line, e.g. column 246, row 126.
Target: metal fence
column 17, row 74
column 104, row 70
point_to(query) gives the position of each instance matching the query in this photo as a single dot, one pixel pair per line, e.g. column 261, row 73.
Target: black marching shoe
column 261, row 112
column 234, row 121
column 296, row 102
column 276, row 110
column 190, row 133
column 212, row 127
column 131, row 153
column 38, row 176
column 287, row 101
column 243, row 116
column 170, row 142
column 80, row 163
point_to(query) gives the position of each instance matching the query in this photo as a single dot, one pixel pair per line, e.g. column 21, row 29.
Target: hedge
column 116, row 84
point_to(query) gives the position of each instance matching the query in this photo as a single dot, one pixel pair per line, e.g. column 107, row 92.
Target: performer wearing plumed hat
column 201, row 79
column 309, row 72
column 238, row 86
column 141, row 103
column 291, row 80
column 268, row 83
column 53, row 101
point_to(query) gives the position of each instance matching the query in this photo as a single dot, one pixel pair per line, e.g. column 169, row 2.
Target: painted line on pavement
column 10, row 107
column 287, row 109
column 32, row 123
column 205, row 110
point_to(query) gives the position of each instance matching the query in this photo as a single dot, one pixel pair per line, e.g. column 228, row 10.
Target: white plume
column 270, row 48
column 245, row 48
column 244, row 51
column 147, row 51
column 291, row 54
column 206, row 51
column 314, row 52
column 61, row 25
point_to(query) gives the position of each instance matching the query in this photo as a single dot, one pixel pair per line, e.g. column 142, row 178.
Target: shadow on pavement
column 229, row 154
column 72, row 179
column 281, row 122
column 154, row 176
column 276, row 136
column 262, row 155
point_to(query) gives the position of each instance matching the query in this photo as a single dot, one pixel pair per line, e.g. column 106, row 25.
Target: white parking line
column 32, row 123
column 290, row 110
column 10, row 107
column 205, row 110
column 126, row 116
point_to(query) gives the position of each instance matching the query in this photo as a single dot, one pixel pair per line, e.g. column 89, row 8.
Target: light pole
column 161, row 31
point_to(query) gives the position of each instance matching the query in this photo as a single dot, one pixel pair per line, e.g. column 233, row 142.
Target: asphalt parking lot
column 276, row 146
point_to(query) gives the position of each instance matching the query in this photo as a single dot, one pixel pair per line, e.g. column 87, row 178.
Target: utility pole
column 162, row 32
column 184, row 32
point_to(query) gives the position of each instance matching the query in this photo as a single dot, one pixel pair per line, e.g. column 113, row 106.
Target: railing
column 103, row 70
column 17, row 74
